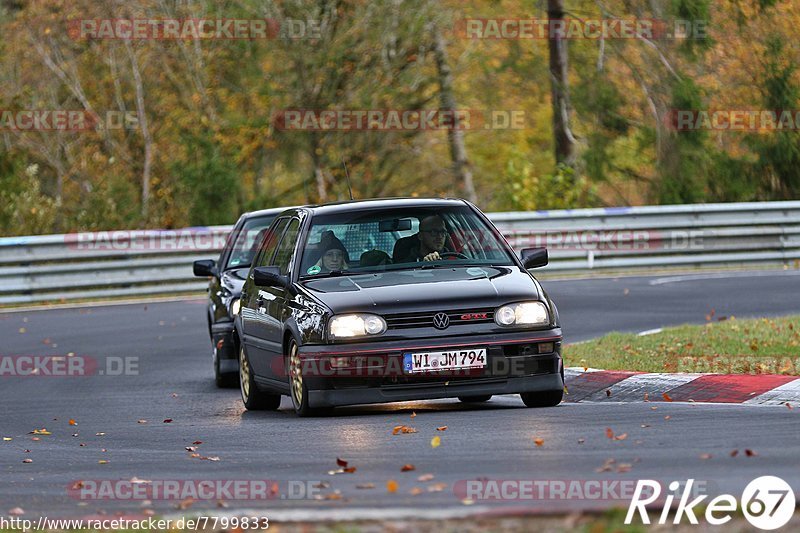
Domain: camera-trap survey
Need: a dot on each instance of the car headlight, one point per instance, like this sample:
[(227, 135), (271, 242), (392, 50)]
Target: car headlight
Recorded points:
[(522, 314), (360, 325), (236, 306)]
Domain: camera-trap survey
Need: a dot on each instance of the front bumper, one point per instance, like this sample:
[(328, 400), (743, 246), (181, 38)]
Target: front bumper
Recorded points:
[(375, 375)]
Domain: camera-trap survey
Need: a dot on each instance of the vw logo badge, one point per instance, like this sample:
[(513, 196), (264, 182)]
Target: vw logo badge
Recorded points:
[(441, 321)]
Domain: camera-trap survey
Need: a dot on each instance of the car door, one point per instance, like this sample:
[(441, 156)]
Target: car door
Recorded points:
[(216, 307), (277, 311), (255, 309)]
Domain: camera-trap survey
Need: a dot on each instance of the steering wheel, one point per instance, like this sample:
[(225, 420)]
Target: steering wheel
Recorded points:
[(457, 255)]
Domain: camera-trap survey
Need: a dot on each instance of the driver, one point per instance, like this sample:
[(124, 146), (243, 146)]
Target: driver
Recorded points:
[(432, 236)]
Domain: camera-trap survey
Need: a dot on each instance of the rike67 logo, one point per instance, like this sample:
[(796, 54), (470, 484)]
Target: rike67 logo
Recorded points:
[(767, 503)]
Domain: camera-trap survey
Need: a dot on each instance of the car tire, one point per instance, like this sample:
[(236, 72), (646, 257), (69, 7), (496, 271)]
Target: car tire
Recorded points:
[(475, 399), (253, 398), (228, 380), (548, 398), (297, 386)]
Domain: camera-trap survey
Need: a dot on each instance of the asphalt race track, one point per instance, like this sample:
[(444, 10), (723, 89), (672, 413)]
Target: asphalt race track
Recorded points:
[(120, 418)]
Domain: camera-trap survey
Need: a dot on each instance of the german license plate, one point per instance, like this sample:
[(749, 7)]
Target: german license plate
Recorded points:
[(414, 362)]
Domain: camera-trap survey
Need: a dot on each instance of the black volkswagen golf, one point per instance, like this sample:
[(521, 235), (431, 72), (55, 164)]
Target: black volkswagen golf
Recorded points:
[(394, 300)]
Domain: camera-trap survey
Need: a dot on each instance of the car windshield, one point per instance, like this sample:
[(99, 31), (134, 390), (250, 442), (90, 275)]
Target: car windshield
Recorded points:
[(247, 240), (400, 238)]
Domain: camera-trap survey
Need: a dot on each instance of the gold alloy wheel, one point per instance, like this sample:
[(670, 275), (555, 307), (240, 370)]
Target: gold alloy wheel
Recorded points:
[(297, 376), (244, 375)]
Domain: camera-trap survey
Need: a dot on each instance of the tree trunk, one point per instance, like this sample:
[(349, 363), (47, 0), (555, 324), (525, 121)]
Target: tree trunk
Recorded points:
[(455, 135), (146, 136), (559, 83)]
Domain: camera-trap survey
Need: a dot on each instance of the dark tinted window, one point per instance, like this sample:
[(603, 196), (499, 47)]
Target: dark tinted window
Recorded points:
[(284, 256), (271, 242), (247, 242)]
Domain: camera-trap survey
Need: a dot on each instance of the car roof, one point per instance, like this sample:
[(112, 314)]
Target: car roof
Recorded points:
[(377, 203), (264, 212)]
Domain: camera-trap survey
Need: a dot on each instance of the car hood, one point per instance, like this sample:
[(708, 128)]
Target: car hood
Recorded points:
[(406, 291)]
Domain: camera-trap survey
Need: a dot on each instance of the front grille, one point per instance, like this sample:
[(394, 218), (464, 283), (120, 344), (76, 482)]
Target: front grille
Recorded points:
[(459, 317)]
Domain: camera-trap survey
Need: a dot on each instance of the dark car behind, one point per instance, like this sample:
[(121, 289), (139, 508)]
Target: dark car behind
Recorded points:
[(226, 278)]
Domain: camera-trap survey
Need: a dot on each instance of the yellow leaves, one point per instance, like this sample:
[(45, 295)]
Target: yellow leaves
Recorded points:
[(9, 439), (436, 442), (42, 431), (391, 486), (102, 462)]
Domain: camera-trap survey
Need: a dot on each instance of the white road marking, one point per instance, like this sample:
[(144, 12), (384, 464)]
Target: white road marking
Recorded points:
[(650, 332), (724, 275)]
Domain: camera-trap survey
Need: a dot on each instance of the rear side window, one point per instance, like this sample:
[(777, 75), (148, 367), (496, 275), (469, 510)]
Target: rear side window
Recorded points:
[(283, 258), (271, 242)]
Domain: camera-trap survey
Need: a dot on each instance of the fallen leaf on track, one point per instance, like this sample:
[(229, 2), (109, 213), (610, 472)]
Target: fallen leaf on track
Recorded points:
[(141, 421), (609, 433), (734, 453), (437, 487), (436, 442), (341, 462), (365, 486), (705, 456), (391, 485), (102, 462), (667, 397), (750, 453), (16, 511), (538, 441), (407, 468), (403, 429), (425, 477), (168, 421), (27, 461), (413, 414), (441, 428), (72, 422), (42, 431), (416, 491), (623, 436)]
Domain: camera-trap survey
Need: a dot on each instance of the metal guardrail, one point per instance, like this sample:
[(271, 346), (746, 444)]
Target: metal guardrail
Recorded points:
[(127, 263)]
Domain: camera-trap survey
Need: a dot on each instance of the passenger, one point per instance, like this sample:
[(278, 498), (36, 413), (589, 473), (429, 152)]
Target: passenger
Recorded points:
[(333, 254)]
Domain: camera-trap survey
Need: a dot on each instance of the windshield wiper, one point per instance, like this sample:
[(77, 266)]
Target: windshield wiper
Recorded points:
[(332, 274)]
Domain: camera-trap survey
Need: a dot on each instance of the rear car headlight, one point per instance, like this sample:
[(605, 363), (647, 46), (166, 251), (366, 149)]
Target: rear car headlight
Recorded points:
[(359, 325), (522, 314), (236, 306)]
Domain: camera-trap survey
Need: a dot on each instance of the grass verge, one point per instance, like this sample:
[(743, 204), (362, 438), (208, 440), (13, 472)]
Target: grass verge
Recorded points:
[(724, 345)]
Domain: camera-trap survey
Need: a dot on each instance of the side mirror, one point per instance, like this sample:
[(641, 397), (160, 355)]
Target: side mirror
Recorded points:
[(205, 269), (534, 257), (269, 277)]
